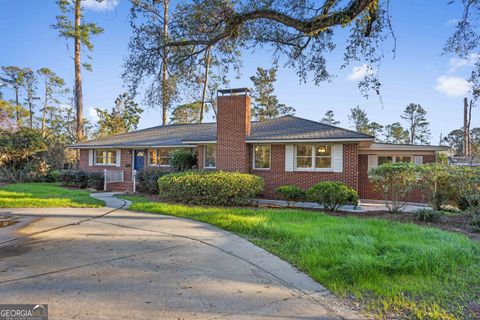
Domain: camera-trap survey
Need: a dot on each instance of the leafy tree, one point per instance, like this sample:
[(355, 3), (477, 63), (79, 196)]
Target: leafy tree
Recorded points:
[(359, 119), (186, 113), (300, 32), (455, 141), (12, 77), (329, 118), (71, 24), (30, 87), (375, 129), (266, 105), (395, 133), (418, 126), (123, 118), (53, 85)]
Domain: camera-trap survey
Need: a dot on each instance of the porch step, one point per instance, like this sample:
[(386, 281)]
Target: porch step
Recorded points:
[(120, 186)]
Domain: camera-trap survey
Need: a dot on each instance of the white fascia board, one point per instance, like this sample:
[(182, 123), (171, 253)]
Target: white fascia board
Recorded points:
[(131, 147), (200, 142), (309, 140), (401, 147)]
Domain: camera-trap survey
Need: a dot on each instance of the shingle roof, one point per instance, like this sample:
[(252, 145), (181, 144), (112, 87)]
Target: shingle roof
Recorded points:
[(282, 128)]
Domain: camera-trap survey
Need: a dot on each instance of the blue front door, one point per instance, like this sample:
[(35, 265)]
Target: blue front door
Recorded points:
[(139, 158)]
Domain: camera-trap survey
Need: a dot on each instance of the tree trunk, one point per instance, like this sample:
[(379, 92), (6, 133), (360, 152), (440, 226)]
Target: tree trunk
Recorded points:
[(165, 93), (466, 129), (17, 109), (205, 83), (44, 111), (78, 75)]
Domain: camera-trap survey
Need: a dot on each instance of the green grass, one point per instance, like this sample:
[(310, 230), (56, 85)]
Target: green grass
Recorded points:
[(390, 267), (45, 195)]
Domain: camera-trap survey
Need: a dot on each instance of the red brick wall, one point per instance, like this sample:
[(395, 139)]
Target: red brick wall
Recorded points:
[(233, 125), (200, 155), (125, 164), (277, 176), (366, 189)]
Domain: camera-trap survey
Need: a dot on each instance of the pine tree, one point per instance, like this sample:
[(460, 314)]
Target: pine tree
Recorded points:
[(329, 118)]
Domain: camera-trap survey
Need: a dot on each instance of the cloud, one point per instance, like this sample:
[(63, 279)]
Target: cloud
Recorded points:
[(467, 62), (360, 72), (452, 22), (104, 5), (93, 114), (452, 86)]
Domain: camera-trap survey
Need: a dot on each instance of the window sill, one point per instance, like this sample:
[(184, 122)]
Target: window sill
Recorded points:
[(261, 169), (104, 165), (313, 170)]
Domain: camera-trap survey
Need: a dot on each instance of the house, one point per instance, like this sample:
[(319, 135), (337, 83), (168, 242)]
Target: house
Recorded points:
[(285, 150)]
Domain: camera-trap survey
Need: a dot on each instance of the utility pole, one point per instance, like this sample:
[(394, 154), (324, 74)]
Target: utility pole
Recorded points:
[(467, 117)]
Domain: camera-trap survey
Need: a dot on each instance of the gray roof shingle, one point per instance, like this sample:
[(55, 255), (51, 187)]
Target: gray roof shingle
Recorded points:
[(282, 128)]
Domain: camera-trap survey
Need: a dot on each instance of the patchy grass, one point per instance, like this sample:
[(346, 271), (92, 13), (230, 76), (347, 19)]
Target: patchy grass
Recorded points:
[(45, 195), (392, 268)]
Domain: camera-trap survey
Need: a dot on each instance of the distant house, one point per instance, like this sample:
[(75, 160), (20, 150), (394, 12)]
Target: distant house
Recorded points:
[(285, 150)]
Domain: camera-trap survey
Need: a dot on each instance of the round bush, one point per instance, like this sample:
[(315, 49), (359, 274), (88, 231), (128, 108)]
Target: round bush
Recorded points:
[(182, 160), (427, 215), (332, 194), (95, 180), (147, 179), (291, 193), (210, 188)]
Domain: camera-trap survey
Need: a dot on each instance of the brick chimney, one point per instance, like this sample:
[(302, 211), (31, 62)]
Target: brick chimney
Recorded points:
[(233, 126)]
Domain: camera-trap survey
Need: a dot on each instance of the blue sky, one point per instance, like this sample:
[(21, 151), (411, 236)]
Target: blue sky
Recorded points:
[(419, 73)]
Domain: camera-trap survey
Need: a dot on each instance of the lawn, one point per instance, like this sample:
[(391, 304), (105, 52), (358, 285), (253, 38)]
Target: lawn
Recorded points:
[(391, 268), (45, 195)]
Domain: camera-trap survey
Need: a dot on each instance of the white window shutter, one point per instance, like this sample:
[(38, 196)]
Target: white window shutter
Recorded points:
[(338, 158), (289, 154), (418, 160), (119, 157), (372, 161), (90, 157)]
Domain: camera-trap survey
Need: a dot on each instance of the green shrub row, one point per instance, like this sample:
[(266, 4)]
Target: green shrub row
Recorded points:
[(330, 194), (77, 178), (210, 188)]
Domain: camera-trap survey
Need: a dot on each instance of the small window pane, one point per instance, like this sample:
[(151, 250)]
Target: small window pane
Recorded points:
[(163, 156), (323, 162), (262, 157), (112, 157), (100, 157), (304, 162), (384, 159), (210, 156), (403, 159), (153, 157), (323, 150), (304, 150)]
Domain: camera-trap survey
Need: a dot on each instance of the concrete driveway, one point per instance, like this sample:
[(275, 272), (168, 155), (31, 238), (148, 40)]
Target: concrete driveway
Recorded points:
[(109, 263)]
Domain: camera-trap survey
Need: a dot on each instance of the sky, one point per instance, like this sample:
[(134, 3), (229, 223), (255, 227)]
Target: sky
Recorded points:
[(418, 73)]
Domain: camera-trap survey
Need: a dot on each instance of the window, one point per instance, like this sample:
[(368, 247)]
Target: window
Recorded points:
[(106, 157), (261, 157), (210, 156), (313, 157), (393, 159), (160, 157)]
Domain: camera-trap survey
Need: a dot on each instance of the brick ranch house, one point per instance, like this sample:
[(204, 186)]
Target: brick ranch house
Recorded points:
[(285, 150)]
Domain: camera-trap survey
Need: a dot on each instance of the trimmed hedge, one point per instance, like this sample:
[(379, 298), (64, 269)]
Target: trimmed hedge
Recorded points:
[(291, 193), (147, 179), (210, 188), (332, 195), (80, 179)]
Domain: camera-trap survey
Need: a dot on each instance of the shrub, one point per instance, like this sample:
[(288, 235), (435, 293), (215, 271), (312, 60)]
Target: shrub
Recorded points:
[(466, 181), (96, 180), (332, 195), (210, 188), (474, 225), (394, 181), (435, 183), (182, 160), (147, 179), (291, 193), (427, 215), (54, 176)]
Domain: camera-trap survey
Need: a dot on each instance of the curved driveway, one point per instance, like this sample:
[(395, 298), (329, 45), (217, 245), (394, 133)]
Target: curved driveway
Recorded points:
[(109, 263)]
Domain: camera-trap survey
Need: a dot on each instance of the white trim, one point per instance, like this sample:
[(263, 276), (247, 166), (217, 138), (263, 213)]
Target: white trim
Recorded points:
[(337, 157), (312, 168), (90, 157), (269, 161), (132, 147), (309, 140), (289, 155), (401, 147), (196, 142)]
